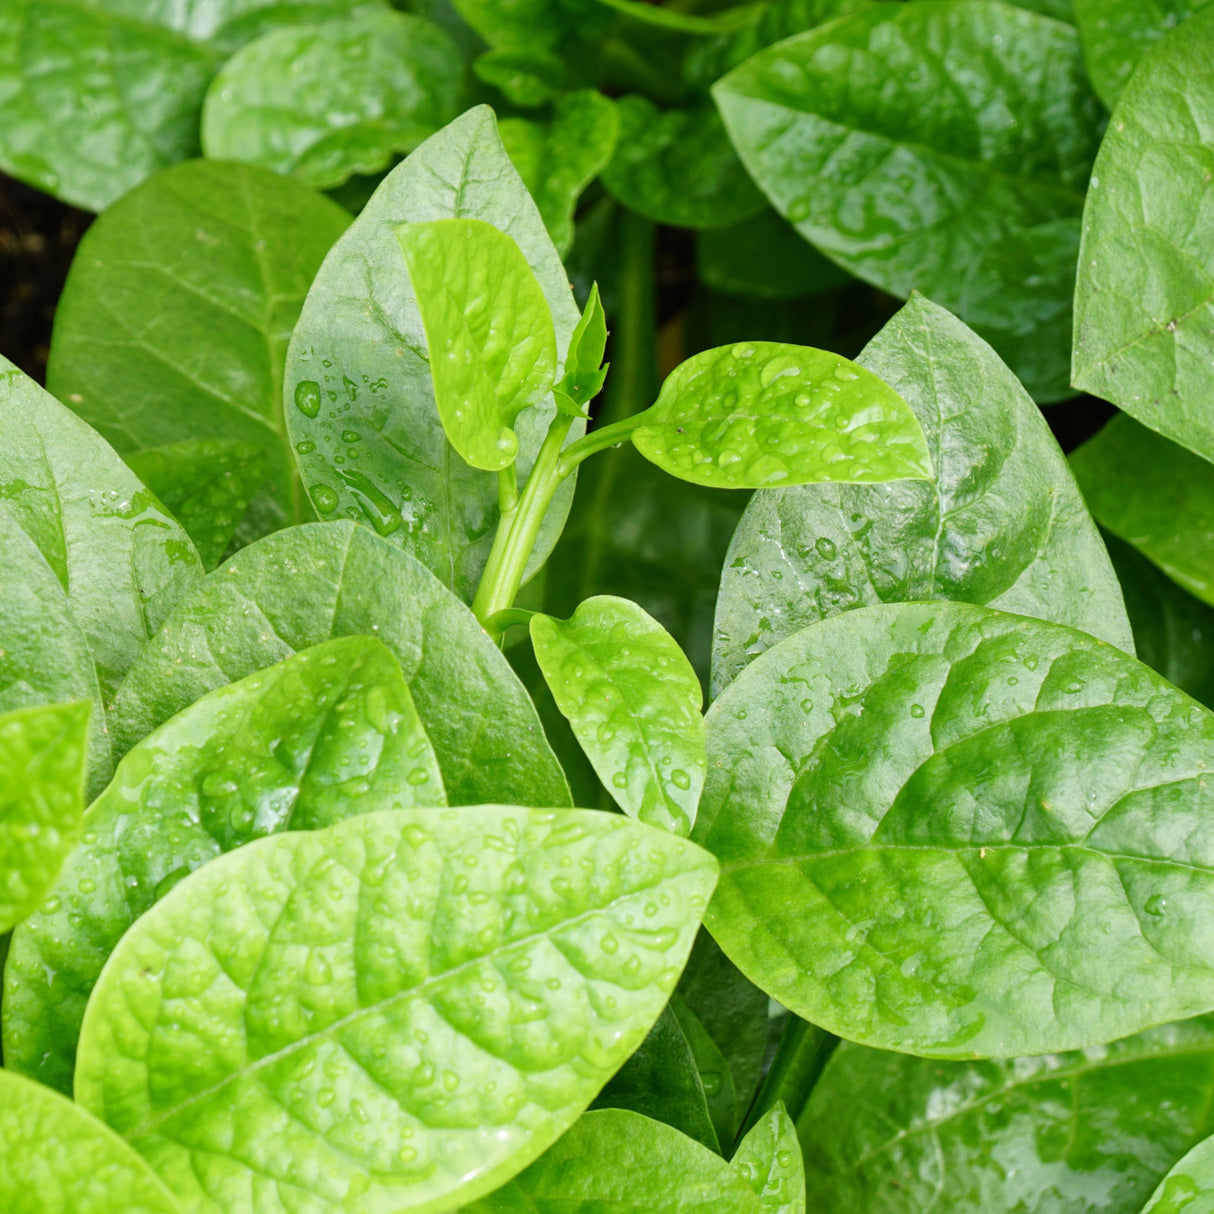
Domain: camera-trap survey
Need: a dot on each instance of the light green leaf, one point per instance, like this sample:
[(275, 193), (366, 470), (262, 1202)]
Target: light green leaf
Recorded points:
[(57, 1158), (559, 158), (584, 369), (185, 294), (1117, 33), (618, 1160), (1090, 1132), (358, 382), (98, 96), (322, 736), (764, 413), (302, 586), (954, 832), (464, 981), (43, 753), (207, 483), (1144, 302), (942, 146), (677, 167), (492, 347), (323, 102), (634, 703), (1156, 496), (526, 76), (1189, 1186), (769, 1158), (1001, 523)]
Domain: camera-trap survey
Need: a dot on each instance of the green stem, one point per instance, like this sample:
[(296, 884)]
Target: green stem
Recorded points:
[(801, 1056), (598, 439)]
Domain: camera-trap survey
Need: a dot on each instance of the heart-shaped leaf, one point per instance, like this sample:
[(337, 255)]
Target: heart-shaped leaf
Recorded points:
[(769, 1157)]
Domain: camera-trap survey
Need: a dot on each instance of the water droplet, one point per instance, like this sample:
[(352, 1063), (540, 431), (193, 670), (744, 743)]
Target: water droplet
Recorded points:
[(306, 447), (324, 498), (609, 944), (917, 710), (307, 397), (712, 1083), (1156, 905), (620, 780), (826, 548), (350, 436), (419, 775), (680, 779)]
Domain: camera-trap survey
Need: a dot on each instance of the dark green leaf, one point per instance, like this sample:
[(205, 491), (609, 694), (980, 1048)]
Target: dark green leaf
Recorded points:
[(176, 315), (1144, 302), (942, 146), (527, 76), (322, 736), (533, 24), (955, 832), (368, 436), (1001, 524), (769, 1157), (323, 102), (716, 1078), (463, 981), (305, 585)]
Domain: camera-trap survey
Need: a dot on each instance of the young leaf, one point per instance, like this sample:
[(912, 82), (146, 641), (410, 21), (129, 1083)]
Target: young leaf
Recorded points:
[(322, 736), (769, 1158), (1144, 301), (58, 1158), (207, 483), (677, 167), (954, 832), (634, 703), (492, 346), (617, 1160), (935, 146), (757, 414), (1188, 1186), (1001, 523), (358, 385), (463, 981), (43, 753), (323, 102), (1090, 1133), (585, 373), (526, 76), (185, 293), (302, 586), (559, 158), (1156, 496)]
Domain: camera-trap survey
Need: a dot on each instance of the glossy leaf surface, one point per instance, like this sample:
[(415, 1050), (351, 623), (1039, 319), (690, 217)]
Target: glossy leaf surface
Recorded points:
[(323, 102), (1089, 1132), (489, 334), (634, 702), (1156, 496), (1188, 1186), (527, 76), (361, 406), (322, 736), (942, 146), (769, 1158), (1144, 302), (305, 585), (613, 1159), (954, 832), (57, 1158), (43, 763), (441, 971), (1000, 524), (757, 414), (174, 322)]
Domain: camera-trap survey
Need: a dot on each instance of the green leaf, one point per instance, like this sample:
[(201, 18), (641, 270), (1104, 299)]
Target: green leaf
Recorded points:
[(464, 981), (43, 753), (58, 1158), (559, 158), (1117, 33), (302, 586), (585, 373), (322, 736), (764, 413), (1001, 524), (358, 383), (185, 294), (323, 102), (531, 24), (97, 97), (942, 146), (526, 76), (769, 1158), (1144, 301), (955, 832), (613, 1159), (1089, 1133), (1154, 495), (716, 1077), (662, 1081), (634, 703), (677, 167), (492, 347), (1188, 1186), (207, 483)]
